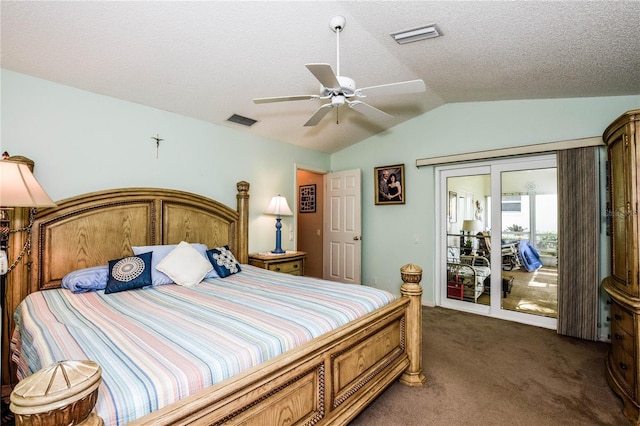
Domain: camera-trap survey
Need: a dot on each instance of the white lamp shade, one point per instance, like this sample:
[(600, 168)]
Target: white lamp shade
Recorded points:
[(278, 206), (19, 188), (472, 225)]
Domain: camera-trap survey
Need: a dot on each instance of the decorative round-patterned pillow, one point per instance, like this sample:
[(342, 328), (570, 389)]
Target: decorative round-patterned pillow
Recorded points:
[(129, 272), (128, 269)]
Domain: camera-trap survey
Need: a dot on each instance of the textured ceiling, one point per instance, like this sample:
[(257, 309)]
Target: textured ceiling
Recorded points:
[(209, 59)]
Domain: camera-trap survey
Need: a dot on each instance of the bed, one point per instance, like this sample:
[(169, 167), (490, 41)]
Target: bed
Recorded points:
[(326, 378)]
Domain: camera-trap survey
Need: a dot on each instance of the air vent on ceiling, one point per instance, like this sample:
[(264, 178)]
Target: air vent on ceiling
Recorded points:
[(417, 34), (239, 119)]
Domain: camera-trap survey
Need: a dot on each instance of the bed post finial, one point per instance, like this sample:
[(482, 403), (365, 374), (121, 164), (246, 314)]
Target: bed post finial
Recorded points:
[(243, 222), (243, 187), (411, 276)]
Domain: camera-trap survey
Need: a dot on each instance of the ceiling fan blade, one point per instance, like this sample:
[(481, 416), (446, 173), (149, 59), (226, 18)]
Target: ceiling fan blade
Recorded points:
[(285, 98), (369, 111), (325, 75), (413, 86), (318, 115)]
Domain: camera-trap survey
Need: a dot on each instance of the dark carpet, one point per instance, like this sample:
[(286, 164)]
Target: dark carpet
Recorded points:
[(487, 371)]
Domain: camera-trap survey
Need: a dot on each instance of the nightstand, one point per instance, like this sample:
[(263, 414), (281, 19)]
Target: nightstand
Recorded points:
[(291, 262)]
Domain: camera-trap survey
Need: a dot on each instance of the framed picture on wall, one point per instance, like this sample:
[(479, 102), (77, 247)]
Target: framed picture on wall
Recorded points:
[(307, 198), (389, 184)]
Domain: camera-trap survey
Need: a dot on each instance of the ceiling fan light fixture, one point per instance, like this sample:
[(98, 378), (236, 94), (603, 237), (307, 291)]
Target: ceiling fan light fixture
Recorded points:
[(416, 34), (338, 100)]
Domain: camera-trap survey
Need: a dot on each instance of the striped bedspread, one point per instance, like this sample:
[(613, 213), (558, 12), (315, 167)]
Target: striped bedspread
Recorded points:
[(160, 344)]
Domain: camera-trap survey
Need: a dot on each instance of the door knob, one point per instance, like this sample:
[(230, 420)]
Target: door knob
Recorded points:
[(357, 238)]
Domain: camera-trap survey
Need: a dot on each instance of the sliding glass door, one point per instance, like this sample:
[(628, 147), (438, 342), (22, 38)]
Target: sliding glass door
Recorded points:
[(498, 237)]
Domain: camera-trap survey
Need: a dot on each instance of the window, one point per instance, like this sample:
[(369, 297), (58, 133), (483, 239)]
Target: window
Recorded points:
[(512, 203)]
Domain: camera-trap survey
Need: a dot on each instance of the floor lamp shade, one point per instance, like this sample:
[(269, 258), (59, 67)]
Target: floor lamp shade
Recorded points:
[(19, 188), (278, 207)]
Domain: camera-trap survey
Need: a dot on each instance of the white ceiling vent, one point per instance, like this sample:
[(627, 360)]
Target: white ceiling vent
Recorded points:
[(417, 34)]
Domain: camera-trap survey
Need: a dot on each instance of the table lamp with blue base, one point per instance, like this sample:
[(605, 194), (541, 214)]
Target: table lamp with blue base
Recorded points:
[(278, 207)]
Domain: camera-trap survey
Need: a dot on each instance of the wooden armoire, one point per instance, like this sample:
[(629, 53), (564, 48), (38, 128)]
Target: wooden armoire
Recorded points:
[(623, 285)]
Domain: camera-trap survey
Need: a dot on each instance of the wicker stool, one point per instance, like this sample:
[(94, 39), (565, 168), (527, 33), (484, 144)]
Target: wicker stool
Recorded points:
[(62, 394)]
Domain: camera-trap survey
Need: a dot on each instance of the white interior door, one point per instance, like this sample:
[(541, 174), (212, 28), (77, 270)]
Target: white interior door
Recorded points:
[(342, 227)]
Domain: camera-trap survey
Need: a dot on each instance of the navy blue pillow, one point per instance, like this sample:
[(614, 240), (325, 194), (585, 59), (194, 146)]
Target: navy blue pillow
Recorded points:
[(129, 273), (223, 261)]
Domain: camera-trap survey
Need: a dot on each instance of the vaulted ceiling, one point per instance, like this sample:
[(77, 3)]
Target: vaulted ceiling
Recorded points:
[(209, 59)]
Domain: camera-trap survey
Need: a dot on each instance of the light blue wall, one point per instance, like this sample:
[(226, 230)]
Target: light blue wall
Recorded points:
[(83, 142), (389, 231)]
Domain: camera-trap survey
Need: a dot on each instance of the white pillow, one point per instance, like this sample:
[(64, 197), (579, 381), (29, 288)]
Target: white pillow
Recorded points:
[(159, 252), (185, 265)]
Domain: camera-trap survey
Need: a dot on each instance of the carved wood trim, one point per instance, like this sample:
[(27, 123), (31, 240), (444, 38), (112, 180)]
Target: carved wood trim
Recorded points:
[(42, 225), (342, 395), (319, 414)]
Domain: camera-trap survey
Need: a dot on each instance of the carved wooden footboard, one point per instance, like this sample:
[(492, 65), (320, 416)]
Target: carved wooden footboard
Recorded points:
[(329, 380)]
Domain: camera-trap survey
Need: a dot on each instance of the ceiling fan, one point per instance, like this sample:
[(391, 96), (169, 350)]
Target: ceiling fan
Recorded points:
[(341, 90)]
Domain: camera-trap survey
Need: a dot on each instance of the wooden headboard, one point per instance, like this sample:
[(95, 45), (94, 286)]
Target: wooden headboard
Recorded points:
[(91, 229)]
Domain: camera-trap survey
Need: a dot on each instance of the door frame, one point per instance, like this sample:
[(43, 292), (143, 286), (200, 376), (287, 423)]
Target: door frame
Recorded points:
[(494, 168), (296, 201)]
